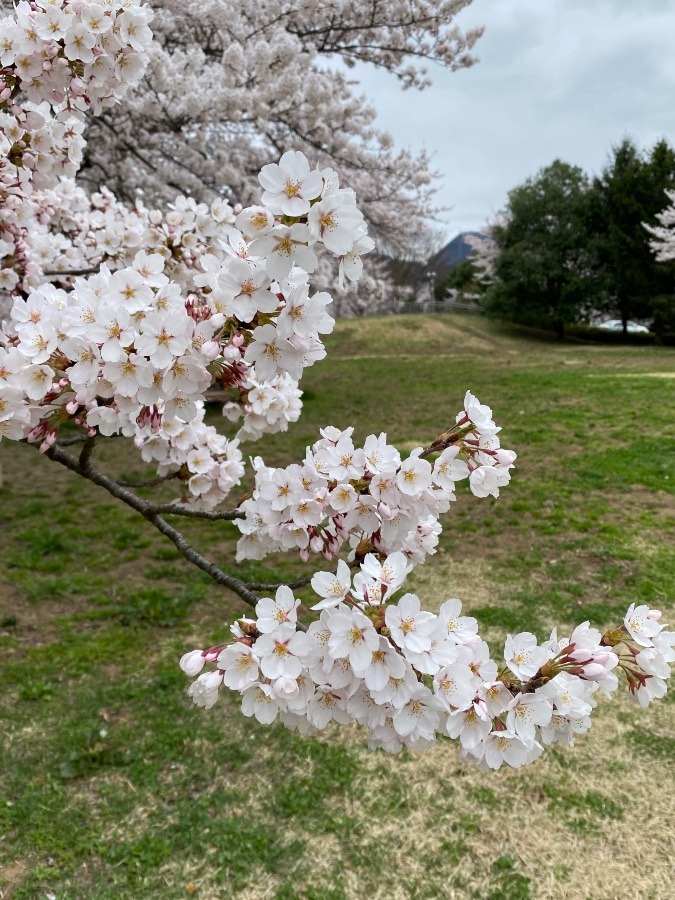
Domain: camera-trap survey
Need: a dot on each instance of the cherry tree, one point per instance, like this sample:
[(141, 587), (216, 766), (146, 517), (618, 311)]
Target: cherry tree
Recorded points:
[(663, 243), (231, 85), (196, 295), (485, 251)]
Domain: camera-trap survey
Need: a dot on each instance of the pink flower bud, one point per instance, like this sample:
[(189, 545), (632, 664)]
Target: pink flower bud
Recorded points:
[(210, 349), (504, 457), (192, 662), (232, 354), (580, 656), (593, 672)]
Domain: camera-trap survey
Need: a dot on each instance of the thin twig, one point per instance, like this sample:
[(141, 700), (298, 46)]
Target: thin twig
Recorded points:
[(451, 436), (174, 509), (293, 585), (71, 273), (148, 482), (86, 453)]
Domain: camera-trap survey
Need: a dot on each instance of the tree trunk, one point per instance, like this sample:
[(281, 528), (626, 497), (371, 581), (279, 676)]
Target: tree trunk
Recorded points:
[(624, 317)]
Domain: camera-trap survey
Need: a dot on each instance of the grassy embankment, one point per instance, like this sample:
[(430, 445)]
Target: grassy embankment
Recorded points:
[(114, 786)]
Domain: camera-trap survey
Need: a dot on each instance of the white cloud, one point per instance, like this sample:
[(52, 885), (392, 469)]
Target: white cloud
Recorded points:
[(557, 78)]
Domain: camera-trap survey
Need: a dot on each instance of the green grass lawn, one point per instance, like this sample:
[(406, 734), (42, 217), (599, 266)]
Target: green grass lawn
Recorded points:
[(112, 785)]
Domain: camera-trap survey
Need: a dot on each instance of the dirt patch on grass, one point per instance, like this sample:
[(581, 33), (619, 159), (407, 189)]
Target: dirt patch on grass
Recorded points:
[(592, 821), (634, 375), (11, 877)]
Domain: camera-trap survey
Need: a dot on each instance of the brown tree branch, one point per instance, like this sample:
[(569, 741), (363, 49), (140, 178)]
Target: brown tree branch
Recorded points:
[(82, 465)]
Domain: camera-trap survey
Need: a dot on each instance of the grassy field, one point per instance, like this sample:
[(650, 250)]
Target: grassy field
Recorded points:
[(112, 785)]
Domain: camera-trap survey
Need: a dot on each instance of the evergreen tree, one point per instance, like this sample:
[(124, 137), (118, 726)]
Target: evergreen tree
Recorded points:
[(627, 195), (544, 272)]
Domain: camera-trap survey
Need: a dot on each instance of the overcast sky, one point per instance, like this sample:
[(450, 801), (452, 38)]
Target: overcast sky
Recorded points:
[(556, 78)]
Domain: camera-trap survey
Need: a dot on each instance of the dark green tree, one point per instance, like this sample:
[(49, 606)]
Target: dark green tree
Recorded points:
[(628, 194), (545, 271), (461, 277)]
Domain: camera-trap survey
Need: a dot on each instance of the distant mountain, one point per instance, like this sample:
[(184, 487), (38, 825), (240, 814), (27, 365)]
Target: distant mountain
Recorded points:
[(453, 253)]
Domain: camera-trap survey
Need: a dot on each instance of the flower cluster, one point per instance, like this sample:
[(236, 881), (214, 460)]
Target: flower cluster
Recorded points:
[(118, 351), (208, 464), (57, 59), (75, 49), (369, 495), (127, 352), (75, 232), (267, 407), (645, 651), (408, 675)]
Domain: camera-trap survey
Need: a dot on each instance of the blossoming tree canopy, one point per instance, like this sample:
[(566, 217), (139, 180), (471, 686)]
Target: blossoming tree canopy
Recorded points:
[(229, 83), (220, 295), (663, 234)]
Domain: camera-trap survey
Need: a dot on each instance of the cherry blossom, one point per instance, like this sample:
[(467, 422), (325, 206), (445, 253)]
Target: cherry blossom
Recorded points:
[(174, 301), (360, 662)]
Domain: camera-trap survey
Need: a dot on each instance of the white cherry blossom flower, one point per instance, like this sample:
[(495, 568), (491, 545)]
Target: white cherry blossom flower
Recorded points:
[(470, 725), (454, 686), (390, 573), (507, 747), (280, 650), (386, 663), (204, 690), (332, 587), (239, 666), (414, 476), (523, 655), (379, 456), (324, 707), (420, 715), (336, 222), (448, 468), (642, 624), (410, 626), (525, 712), (478, 414), (461, 629), (290, 185), (273, 613), (259, 701), (352, 635)]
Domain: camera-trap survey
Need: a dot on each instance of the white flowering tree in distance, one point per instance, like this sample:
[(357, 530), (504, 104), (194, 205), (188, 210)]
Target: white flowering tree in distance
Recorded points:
[(663, 234), (220, 295)]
